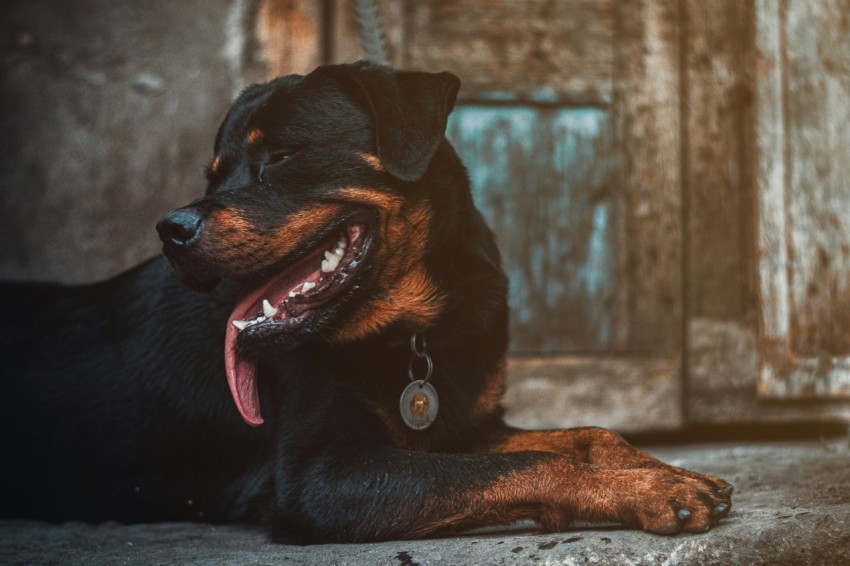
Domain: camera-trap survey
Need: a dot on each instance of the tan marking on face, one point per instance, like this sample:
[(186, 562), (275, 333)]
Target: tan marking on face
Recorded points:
[(216, 163), (388, 204), (372, 161), (414, 299), (255, 135), (228, 219), (240, 246)]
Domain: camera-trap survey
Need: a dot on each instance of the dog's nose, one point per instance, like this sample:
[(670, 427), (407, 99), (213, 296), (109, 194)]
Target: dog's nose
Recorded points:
[(179, 227)]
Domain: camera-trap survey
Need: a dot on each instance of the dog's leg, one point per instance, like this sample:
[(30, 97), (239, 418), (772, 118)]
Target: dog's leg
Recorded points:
[(591, 445), (391, 493)]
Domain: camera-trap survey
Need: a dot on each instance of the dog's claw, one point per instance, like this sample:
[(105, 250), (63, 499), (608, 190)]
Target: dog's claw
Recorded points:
[(720, 509), (683, 515), (726, 491)]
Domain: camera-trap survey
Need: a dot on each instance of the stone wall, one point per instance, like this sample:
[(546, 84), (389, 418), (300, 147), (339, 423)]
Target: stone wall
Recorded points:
[(108, 112)]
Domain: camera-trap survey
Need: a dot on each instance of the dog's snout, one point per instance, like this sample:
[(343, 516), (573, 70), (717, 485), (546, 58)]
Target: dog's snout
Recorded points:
[(180, 227)]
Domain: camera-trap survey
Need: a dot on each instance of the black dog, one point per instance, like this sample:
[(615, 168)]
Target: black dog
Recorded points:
[(344, 264)]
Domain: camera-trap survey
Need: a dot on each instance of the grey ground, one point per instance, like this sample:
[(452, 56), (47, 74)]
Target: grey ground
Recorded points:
[(791, 506)]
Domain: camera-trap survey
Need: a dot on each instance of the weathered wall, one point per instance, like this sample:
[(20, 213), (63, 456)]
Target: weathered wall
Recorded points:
[(108, 110)]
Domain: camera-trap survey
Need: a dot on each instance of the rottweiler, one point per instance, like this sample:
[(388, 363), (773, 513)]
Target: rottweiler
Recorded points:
[(337, 290)]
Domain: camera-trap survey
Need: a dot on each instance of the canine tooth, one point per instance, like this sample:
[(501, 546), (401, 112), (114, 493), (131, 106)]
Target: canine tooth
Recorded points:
[(307, 286), (268, 309), (240, 324), (329, 264)]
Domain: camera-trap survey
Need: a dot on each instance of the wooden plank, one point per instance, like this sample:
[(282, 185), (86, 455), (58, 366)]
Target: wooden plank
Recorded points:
[(718, 197), (818, 90), (718, 171), (558, 50), (289, 35), (804, 242), (771, 178), (647, 106), (723, 375), (804, 239), (624, 394), (544, 179)]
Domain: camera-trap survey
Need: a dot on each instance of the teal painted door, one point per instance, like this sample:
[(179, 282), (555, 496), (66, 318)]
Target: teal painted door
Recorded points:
[(544, 179)]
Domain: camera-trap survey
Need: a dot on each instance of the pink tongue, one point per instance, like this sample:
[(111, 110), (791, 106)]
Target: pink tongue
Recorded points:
[(241, 376), (241, 373)]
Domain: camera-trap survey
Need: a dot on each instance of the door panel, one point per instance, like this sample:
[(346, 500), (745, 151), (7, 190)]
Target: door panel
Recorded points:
[(543, 178)]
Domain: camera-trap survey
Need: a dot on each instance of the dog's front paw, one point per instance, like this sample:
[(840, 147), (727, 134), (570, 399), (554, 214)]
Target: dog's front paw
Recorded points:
[(665, 502)]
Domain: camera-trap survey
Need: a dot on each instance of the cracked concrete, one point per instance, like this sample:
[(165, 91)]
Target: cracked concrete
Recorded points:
[(791, 506)]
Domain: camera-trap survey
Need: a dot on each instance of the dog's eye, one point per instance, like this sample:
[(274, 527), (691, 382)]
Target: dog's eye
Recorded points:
[(280, 156)]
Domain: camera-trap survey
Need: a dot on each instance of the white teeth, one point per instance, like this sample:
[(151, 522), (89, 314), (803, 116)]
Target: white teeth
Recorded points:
[(243, 324), (332, 258), (330, 262), (268, 309)]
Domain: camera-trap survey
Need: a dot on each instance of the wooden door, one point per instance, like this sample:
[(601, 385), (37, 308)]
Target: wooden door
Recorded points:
[(569, 123)]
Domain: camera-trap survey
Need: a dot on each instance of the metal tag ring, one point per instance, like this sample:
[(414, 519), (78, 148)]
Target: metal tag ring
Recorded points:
[(428, 372), (414, 347)]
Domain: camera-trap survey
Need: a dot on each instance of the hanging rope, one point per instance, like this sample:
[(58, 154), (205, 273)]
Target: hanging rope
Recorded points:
[(372, 38)]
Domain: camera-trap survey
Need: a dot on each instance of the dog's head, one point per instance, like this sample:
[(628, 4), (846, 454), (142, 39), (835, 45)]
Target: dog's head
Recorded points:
[(322, 199)]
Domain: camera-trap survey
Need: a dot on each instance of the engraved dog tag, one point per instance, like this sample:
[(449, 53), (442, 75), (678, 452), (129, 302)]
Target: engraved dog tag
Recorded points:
[(419, 404)]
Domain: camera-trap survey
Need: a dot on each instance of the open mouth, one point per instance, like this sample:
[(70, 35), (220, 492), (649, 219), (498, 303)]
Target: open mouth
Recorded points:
[(285, 303)]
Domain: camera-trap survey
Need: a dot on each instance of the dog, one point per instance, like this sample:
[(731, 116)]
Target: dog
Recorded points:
[(329, 358)]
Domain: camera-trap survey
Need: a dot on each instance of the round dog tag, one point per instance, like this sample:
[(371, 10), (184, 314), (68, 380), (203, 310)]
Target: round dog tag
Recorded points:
[(419, 404)]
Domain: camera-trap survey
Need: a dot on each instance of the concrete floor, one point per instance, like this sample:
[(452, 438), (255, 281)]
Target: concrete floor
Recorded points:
[(791, 506)]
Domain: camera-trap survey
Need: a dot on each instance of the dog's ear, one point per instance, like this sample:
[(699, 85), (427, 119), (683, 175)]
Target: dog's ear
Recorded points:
[(409, 110)]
